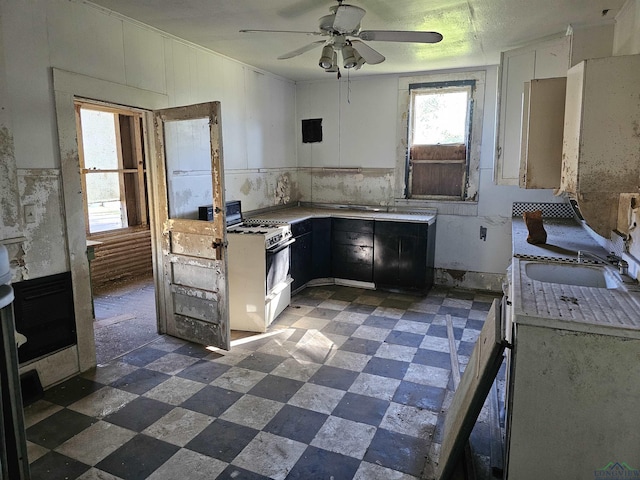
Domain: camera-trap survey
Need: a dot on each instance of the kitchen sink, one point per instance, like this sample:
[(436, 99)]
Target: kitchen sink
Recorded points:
[(572, 274)]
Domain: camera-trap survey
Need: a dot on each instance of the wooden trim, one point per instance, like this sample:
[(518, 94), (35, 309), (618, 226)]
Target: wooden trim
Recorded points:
[(83, 180), (142, 192)]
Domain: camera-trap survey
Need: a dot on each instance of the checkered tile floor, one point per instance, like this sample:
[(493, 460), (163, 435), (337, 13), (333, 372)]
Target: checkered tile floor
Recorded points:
[(347, 384)]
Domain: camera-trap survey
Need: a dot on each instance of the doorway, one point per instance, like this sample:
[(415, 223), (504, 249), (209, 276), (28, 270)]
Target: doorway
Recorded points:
[(115, 200)]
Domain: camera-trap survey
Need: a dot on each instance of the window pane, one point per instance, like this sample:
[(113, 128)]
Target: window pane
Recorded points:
[(439, 118), (106, 211), (99, 139)]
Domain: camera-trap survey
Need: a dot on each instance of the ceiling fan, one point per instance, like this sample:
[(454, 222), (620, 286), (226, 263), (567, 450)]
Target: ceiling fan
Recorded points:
[(341, 23)]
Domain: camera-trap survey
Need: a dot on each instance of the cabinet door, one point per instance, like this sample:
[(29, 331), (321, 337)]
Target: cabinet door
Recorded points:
[(301, 263), (352, 249), (542, 127), (541, 60), (401, 255), (321, 248)]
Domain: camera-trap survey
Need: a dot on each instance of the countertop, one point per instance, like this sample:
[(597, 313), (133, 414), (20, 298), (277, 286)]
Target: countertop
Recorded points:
[(567, 307), (295, 214)]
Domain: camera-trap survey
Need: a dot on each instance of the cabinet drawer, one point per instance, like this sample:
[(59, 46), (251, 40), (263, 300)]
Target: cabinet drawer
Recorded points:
[(300, 228), (407, 229), (352, 225), (352, 238), (352, 254)]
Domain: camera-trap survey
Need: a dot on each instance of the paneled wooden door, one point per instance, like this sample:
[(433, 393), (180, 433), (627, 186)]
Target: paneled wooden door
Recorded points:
[(191, 276)]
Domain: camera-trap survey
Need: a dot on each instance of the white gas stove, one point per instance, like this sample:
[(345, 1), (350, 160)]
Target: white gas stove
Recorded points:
[(274, 234)]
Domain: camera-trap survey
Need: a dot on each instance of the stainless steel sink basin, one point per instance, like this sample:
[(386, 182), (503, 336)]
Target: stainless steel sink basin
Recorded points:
[(572, 274)]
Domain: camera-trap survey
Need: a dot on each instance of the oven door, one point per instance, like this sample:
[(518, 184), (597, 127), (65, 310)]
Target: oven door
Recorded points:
[(278, 262)]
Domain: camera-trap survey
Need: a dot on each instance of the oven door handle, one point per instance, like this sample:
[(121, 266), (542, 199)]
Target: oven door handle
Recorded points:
[(280, 246)]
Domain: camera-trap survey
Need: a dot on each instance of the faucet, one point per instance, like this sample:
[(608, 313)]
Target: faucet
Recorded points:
[(612, 259)]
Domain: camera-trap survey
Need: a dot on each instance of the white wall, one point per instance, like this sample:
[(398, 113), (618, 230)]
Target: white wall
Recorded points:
[(359, 130), (116, 60)]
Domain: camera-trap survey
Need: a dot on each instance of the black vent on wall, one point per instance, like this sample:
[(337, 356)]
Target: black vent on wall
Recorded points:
[(43, 311), (312, 130)]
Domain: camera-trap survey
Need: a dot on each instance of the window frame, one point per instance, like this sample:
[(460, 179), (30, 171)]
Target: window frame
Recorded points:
[(475, 78), (141, 195)]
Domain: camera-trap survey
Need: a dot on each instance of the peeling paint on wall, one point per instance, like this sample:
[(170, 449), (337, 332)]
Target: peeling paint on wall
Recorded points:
[(10, 221), (45, 251), (372, 186), (262, 189)]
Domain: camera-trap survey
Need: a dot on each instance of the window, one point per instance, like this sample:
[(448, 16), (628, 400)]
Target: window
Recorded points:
[(441, 135), (112, 167)]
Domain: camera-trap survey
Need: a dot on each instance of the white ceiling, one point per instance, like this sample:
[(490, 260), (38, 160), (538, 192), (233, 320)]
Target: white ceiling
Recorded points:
[(475, 31)]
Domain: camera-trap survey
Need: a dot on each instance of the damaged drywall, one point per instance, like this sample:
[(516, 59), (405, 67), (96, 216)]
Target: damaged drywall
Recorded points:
[(45, 249), (348, 186), (261, 189), (10, 221)]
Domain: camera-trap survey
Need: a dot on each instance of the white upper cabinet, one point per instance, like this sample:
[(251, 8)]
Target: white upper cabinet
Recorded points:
[(601, 144), (542, 125), (545, 59)]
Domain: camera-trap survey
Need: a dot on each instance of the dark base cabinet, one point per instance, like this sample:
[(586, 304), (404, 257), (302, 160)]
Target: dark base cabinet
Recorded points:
[(321, 248), (352, 249), (404, 255), (301, 254)]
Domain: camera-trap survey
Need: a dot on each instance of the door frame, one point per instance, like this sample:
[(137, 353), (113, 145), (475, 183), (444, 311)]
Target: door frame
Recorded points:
[(67, 87)]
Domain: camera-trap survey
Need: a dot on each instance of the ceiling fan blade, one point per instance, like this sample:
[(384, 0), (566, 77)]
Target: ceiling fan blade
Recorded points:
[(300, 50), (370, 55), (347, 18), (281, 31), (400, 36)]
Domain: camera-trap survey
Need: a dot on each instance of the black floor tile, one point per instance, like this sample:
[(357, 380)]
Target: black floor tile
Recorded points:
[(386, 367), (306, 300), (58, 428), (398, 452), (454, 311), (460, 294), (203, 371), (466, 348), (475, 324), (254, 344), (401, 304), (297, 335), (361, 408), (441, 331), (333, 377), (346, 295), (360, 308), (316, 463), (143, 356), (236, 473), (432, 358), (406, 339), (421, 396), (323, 313), (140, 381), (212, 401), (276, 388), (261, 362), (193, 350), (360, 345), (482, 306), (71, 391), (296, 423), (380, 322), (222, 440), (139, 413), (138, 458), (340, 328), (418, 316), (54, 466)]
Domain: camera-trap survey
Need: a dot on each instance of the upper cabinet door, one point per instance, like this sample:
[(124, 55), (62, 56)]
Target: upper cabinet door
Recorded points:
[(541, 60)]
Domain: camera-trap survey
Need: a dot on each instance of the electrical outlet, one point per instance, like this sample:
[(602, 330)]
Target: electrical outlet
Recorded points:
[(30, 214), (483, 233)]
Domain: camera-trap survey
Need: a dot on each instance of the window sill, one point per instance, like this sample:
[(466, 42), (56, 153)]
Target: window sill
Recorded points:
[(443, 207)]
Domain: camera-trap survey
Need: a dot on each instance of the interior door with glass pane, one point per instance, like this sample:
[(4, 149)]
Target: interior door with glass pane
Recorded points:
[(189, 174)]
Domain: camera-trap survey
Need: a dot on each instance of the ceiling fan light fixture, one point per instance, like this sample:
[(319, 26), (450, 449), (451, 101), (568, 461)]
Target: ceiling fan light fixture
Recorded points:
[(348, 57), (359, 60), (326, 59), (334, 66)]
